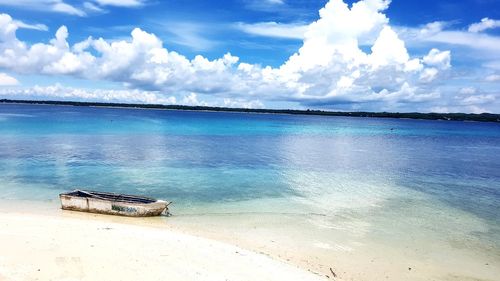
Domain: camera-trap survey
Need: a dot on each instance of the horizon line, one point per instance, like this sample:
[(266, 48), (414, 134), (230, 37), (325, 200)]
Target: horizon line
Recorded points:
[(455, 116)]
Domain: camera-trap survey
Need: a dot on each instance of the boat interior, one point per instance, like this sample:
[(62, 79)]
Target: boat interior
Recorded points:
[(111, 196)]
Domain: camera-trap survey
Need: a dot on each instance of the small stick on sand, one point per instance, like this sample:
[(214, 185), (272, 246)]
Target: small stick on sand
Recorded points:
[(333, 273)]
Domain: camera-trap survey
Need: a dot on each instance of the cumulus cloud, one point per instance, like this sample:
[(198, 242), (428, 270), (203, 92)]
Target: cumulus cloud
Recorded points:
[(329, 70), (438, 59), (484, 24), (59, 92), (242, 103)]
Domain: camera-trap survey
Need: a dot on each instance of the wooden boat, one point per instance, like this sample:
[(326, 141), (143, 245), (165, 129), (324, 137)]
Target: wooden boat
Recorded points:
[(112, 203)]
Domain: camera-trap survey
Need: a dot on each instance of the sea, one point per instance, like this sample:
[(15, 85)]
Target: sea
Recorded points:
[(366, 198)]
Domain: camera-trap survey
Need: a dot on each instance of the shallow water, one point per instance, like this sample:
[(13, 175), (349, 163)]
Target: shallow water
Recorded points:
[(425, 192)]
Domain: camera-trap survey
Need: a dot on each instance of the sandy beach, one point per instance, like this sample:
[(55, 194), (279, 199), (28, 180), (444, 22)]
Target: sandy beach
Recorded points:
[(79, 247), (38, 241)]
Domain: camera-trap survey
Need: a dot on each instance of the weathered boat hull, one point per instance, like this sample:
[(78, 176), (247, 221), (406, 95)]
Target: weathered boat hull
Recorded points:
[(69, 201)]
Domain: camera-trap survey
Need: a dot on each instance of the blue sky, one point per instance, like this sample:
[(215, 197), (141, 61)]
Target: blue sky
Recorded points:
[(375, 55)]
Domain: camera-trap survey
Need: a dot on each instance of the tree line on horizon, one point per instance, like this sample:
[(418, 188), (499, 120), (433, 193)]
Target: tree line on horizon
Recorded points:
[(482, 117)]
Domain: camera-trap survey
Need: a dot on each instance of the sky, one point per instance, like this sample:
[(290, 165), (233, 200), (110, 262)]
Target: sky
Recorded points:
[(368, 55)]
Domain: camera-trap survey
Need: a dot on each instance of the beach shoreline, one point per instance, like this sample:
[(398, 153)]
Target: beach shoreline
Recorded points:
[(62, 245), (42, 231)]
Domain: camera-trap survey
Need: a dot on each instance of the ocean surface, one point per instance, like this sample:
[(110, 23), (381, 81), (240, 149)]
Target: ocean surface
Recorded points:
[(428, 188)]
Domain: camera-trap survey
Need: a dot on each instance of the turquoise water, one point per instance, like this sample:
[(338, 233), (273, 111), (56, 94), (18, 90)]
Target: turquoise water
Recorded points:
[(363, 177)]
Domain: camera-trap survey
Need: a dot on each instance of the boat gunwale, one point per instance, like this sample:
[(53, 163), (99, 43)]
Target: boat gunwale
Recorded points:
[(113, 197)]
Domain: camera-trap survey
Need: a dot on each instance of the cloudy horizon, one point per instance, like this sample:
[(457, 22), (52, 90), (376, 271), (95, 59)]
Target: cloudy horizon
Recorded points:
[(368, 55)]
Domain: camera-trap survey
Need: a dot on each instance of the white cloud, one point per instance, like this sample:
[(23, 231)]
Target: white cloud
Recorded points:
[(476, 56), (192, 99), (330, 69), (62, 7), (472, 98), (429, 75), (468, 91), (190, 34), (241, 103), (120, 3), (273, 29), (437, 32), (438, 59), (433, 28), (58, 6), (471, 40), (388, 49), (7, 80), (492, 78), (484, 24), (37, 26), (92, 7), (59, 92), (279, 2), (265, 5), (477, 99)]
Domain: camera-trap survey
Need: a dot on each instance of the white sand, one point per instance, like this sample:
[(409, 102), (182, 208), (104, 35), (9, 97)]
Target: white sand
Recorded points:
[(43, 247)]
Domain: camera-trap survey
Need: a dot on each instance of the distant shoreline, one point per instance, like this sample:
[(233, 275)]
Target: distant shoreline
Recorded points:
[(483, 117)]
